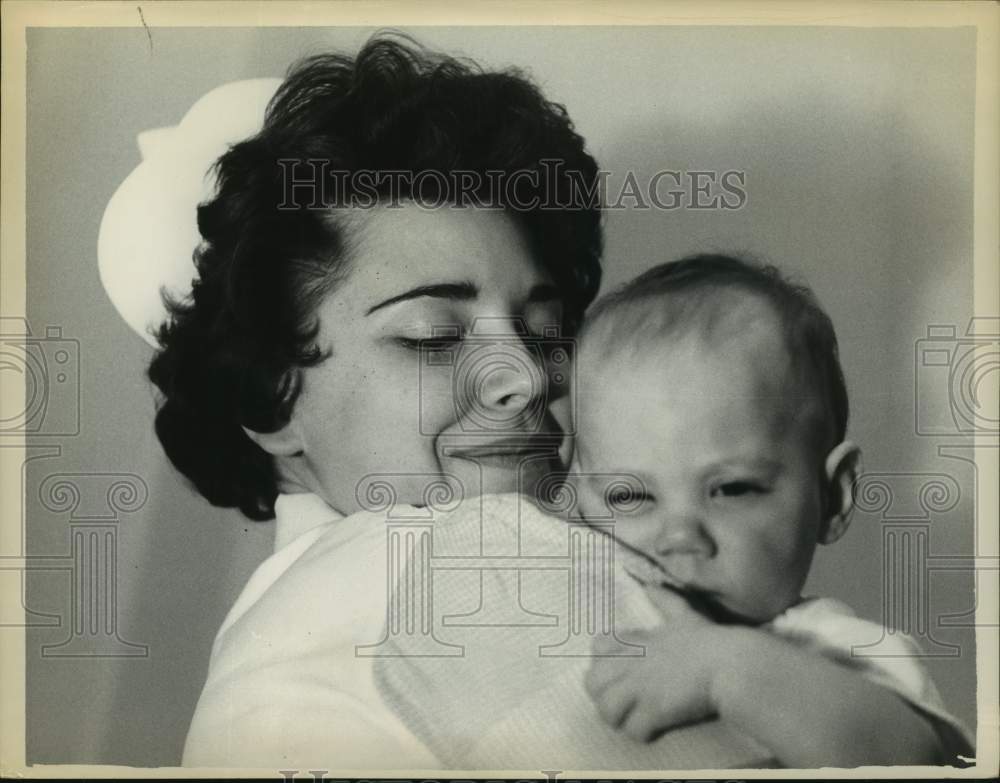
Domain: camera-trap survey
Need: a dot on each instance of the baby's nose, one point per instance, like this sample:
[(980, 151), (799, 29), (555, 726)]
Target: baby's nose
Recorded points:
[(684, 535)]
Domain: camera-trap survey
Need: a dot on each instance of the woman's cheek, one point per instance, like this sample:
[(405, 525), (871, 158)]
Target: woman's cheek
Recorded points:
[(561, 411), (413, 415), (437, 400)]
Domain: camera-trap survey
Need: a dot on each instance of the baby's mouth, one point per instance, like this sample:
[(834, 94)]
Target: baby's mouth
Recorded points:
[(709, 603)]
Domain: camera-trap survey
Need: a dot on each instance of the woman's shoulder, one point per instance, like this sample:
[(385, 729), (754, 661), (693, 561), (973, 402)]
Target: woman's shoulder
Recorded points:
[(507, 523), (340, 563)]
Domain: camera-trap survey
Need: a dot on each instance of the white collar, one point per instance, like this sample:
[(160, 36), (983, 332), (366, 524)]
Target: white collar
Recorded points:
[(298, 513)]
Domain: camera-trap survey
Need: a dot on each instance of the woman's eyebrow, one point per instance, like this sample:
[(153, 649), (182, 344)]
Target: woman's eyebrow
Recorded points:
[(459, 291)]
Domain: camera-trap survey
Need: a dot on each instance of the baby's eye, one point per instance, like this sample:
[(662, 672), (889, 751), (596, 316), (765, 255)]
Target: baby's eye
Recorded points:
[(735, 489)]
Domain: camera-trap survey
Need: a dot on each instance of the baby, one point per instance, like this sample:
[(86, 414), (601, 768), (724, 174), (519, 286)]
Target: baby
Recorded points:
[(716, 386)]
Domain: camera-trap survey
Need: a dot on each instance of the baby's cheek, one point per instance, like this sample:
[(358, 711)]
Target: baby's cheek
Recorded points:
[(773, 568), (788, 577), (585, 503)]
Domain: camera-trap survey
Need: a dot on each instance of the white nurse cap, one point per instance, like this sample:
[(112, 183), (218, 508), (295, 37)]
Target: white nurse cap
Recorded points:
[(149, 231)]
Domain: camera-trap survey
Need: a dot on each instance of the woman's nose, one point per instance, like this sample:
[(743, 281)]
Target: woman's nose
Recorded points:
[(503, 380), (506, 380)]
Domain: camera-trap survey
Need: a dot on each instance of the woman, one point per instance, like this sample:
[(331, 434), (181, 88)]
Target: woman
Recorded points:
[(389, 272), (297, 379)]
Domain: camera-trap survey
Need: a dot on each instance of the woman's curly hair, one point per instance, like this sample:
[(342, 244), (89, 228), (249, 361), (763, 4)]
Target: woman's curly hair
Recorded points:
[(231, 352)]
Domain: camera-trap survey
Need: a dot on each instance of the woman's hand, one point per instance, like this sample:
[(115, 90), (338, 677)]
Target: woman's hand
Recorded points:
[(672, 684)]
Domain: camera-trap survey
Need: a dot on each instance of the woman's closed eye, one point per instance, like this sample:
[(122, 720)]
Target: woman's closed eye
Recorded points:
[(429, 345)]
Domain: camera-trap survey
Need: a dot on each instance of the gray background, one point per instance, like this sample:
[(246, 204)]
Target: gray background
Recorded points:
[(857, 147)]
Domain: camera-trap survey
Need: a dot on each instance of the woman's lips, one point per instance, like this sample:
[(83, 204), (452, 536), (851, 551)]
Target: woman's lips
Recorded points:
[(507, 464), (470, 446), (507, 452), (512, 461)]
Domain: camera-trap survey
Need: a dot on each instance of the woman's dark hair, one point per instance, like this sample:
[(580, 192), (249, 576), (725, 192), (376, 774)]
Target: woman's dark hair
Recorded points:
[(231, 353)]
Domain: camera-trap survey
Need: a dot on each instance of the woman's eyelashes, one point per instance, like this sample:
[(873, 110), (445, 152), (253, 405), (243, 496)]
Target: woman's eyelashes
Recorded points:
[(428, 344), (430, 338), (446, 340)]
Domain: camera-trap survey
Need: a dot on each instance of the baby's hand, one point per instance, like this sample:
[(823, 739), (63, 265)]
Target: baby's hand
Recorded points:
[(671, 685)]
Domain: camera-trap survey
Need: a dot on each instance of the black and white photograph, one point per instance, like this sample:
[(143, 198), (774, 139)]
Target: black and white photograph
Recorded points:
[(548, 391)]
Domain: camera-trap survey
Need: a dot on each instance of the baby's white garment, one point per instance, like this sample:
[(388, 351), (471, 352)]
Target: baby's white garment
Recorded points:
[(313, 667), (518, 598), (831, 629)]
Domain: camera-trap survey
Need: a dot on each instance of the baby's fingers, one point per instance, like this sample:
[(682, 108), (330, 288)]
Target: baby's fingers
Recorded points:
[(643, 723), (603, 672)]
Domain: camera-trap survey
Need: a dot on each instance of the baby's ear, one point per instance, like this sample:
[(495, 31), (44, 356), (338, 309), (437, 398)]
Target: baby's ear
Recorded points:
[(841, 471)]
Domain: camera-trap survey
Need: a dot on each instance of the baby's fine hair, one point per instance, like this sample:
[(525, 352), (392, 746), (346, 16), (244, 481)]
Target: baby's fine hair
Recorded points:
[(703, 292)]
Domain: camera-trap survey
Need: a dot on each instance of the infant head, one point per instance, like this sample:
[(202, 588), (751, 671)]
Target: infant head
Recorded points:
[(714, 385)]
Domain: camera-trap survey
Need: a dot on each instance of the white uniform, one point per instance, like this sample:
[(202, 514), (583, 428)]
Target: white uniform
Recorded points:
[(284, 687), (286, 690)]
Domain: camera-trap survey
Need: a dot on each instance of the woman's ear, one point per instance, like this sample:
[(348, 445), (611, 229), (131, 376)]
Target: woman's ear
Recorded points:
[(281, 443), (841, 471)]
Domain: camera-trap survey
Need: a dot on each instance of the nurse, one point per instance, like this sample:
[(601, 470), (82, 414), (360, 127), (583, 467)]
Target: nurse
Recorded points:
[(388, 275)]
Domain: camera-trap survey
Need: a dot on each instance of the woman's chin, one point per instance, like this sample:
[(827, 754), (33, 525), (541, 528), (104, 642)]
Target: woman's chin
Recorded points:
[(501, 473)]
